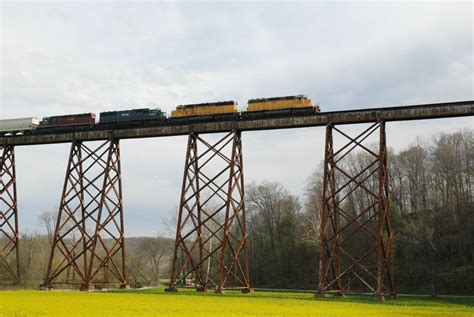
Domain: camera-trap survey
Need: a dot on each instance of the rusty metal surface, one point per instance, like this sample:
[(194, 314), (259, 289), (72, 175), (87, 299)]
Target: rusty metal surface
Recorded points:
[(356, 239), (417, 112), (9, 234), (211, 230), (88, 244)]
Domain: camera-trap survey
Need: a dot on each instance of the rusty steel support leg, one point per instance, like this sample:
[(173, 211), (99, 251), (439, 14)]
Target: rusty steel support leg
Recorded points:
[(384, 231), (89, 234), (355, 233), (324, 216), (211, 230), (9, 235), (330, 215)]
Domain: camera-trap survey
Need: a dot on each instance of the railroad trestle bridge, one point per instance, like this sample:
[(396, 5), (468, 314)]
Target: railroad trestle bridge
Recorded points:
[(88, 246)]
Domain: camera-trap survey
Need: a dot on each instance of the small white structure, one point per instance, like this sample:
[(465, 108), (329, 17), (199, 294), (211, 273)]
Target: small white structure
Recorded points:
[(19, 124)]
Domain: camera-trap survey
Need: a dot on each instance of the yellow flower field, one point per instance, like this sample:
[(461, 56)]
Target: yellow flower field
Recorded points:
[(155, 302)]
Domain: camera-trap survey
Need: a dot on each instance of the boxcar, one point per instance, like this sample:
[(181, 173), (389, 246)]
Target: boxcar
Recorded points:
[(68, 120), (18, 124), (205, 109), (144, 114)]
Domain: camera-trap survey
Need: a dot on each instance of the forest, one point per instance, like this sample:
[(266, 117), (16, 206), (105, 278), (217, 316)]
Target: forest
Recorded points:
[(431, 211)]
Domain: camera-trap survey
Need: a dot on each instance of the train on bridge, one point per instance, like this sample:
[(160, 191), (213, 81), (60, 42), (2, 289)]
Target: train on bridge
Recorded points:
[(191, 113)]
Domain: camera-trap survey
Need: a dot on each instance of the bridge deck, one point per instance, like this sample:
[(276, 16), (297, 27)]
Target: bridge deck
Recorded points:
[(139, 130)]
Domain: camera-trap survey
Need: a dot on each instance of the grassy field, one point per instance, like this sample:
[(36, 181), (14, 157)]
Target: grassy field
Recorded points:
[(155, 302)]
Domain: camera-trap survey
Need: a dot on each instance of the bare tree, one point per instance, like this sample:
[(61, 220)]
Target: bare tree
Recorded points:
[(153, 251), (48, 219)]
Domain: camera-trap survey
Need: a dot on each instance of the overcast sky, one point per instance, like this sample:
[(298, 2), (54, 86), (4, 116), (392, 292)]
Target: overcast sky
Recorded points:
[(59, 58)]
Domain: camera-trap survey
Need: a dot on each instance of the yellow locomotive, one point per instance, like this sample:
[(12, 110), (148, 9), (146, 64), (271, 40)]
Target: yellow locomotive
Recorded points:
[(280, 103), (205, 109)]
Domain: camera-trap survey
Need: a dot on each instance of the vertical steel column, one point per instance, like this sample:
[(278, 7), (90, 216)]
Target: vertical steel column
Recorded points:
[(9, 235), (384, 255), (89, 235), (330, 215), (211, 230), (355, 233)]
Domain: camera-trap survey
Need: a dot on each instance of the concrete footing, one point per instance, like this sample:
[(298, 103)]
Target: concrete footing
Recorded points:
[(171, 290)]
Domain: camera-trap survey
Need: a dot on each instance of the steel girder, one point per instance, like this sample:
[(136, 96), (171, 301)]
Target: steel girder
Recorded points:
[(9, 235), (261, 121), (355, 234), (88, 247), (211, 231)]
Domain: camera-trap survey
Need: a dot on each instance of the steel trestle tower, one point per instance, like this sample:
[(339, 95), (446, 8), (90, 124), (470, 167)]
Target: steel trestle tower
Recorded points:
[(88, 246), (368, 263), (9, 234), (211, 230)]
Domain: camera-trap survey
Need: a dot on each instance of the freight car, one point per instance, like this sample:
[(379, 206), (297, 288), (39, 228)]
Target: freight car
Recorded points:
[(143, 114), (68, 120), (207, 110), (19, 125)]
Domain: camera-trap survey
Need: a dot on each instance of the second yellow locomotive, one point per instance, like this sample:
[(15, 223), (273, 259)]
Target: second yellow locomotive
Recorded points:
[(279, 103)]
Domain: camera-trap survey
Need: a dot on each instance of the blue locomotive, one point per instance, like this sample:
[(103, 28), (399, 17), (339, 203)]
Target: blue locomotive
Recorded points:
[(143, 114)]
